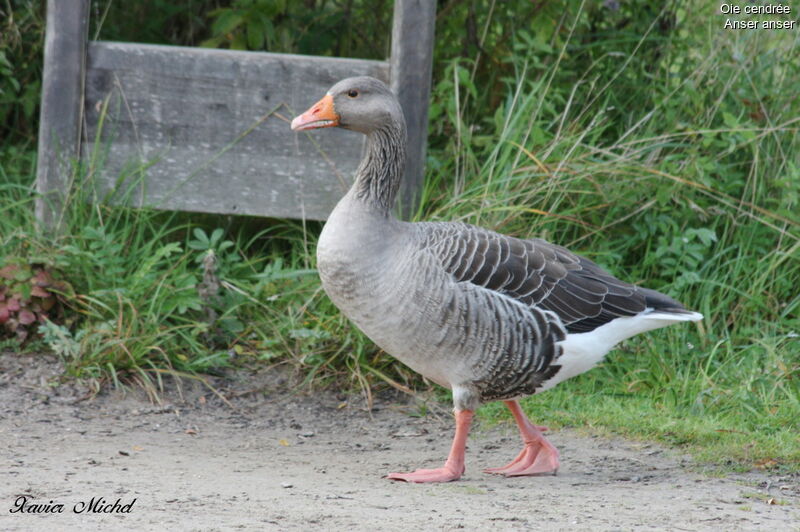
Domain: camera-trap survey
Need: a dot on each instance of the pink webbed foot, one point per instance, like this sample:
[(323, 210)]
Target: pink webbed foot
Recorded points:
[(454, 467), (538, 457), (442, 474)]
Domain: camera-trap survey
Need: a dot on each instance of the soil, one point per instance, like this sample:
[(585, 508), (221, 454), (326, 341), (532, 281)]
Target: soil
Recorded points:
[(277, 459)]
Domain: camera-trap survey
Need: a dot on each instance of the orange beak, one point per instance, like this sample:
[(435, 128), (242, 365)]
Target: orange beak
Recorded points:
[(320, 115)]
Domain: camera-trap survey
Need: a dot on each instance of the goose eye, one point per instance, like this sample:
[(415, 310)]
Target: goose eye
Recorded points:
[(352, 93)]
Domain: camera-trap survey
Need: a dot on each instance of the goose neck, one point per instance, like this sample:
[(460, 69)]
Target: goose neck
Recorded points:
[(379, 174)]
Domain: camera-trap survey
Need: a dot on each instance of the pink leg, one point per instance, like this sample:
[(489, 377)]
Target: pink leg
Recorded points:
[(454, 466), (538, 457)]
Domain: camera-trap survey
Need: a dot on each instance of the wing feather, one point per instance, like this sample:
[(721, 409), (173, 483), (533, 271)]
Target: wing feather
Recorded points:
[(534, 272)]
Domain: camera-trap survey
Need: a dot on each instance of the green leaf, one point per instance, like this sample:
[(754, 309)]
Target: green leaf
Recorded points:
[(255, 35), (213, 42), (30, 98), (216, 235), (201, 237), (706, 235), (269, 31), (239, 42), (226, 22), (730, 120), (499, 117), (463, 79)]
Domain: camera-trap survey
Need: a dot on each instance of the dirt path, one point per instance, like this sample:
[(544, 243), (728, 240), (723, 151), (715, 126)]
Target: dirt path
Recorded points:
[(302, 463)]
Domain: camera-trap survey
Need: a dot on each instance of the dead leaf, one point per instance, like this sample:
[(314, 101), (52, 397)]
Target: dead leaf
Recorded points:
[(9, 271), (766, 463), (42, 278), (284, 442), (26, 317), (38, 291)]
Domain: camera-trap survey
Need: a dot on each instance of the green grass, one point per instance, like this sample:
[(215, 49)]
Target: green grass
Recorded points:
[(691, 193), (669, 157), (708, 422)]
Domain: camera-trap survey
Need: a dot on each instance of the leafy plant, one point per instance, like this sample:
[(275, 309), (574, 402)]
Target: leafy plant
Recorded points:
[(246, 25), (21, 49), (315, 27), (213, 244), (30, 294), (682, 257), (61, 340)]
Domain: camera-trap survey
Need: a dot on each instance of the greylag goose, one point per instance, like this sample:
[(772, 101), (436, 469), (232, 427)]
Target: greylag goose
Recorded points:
[(489, 316)]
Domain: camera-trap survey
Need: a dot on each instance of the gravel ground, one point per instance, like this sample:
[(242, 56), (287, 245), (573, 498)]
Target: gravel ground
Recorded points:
[(276, 460)]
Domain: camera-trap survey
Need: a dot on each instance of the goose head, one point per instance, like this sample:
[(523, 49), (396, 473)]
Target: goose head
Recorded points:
[(366, 105), (362, 104)]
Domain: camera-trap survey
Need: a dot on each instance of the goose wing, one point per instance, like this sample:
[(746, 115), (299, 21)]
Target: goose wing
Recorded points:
[(536, 273)]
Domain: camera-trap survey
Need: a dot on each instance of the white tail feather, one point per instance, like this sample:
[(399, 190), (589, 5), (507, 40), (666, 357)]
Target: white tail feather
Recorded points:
[(582, 351), (671, 316)]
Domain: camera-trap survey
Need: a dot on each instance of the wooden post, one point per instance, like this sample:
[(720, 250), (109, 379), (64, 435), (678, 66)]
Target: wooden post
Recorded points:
[(410, 73), (62, 105)]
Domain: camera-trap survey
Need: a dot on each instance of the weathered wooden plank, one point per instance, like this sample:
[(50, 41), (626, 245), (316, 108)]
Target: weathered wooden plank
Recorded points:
[(410, 70), (61, 107), (189, 129)]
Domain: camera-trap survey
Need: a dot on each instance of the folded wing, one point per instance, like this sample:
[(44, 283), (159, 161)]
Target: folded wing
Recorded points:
[(538, 273)]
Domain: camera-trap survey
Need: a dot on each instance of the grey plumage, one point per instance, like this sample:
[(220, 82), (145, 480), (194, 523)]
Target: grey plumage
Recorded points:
[(485, 314), (490, 316), (535, 273)]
